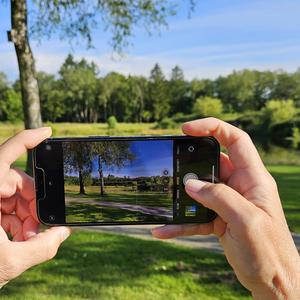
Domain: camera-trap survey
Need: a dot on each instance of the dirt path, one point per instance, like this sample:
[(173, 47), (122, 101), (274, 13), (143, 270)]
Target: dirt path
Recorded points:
[(148, 210)]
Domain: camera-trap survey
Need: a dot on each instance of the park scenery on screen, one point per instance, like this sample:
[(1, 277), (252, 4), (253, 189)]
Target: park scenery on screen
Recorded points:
[(118, 181)]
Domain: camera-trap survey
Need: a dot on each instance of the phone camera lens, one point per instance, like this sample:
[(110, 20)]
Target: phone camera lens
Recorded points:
[(51, 218), (191, 148)]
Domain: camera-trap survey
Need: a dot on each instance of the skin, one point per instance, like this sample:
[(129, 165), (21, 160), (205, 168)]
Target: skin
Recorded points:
[(251, 225), (18, 213)]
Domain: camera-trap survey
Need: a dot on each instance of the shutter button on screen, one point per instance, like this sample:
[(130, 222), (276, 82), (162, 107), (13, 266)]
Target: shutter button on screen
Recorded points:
[(188, 176)]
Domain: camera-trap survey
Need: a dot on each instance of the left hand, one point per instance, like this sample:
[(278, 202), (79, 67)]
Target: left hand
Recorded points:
[(18, 212)]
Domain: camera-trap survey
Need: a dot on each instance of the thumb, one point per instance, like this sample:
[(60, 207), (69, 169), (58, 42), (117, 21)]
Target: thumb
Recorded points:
[(224, 200), (40, 247)]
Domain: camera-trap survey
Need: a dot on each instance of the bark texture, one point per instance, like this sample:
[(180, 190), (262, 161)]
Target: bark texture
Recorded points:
[(28, 79)]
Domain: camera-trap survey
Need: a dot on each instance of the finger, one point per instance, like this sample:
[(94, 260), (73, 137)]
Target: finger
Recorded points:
[(18, 144), (9, 204), (17, 204), (241, 150), (225, 201), (12, 224), (172, 231), (23, 183), (226, 167), (32, 208), (30, 227), (22, 209), (41, 247)]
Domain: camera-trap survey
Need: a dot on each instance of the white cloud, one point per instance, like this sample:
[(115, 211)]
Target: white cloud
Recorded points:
[(201, 62)]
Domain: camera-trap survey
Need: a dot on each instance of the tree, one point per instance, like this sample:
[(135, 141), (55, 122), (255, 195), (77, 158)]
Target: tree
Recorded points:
[(278, 111), (11, 106), (208, 107), (10, 101), (111, 154), (79, 80), (158, 96), (78, 158), (52, 97), (236, 90), (179, 98), (73, 18)]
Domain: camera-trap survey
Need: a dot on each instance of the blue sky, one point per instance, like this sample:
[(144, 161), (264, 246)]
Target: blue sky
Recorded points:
[(220, 36)]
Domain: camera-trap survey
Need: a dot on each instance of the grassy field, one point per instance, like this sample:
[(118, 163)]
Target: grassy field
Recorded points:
[(288, 180), (118, 194), (91, 265), (90, 212)]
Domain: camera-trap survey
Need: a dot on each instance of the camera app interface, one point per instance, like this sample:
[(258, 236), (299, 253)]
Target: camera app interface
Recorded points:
[(118, 181)]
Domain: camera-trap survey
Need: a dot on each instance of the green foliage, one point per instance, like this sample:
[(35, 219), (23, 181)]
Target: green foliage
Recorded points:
[(158, 94), (10, 106), (77, 18), (208, 107), (166, 123), (295, 138), (279, 111), (237, 90), (10, 102), (112, 122)]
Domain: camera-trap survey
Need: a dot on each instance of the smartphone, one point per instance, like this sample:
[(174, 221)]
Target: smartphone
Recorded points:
[(122, 180)]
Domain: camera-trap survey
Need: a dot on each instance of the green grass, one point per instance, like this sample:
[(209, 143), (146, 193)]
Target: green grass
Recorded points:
[(89, 212), (288, 181), (91, 265), (120, 195)]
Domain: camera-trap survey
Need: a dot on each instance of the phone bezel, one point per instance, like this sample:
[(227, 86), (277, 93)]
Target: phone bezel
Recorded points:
[(212, 215)]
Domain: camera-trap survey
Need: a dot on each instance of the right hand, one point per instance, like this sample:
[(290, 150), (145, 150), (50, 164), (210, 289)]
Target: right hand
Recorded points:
[(250, 225)]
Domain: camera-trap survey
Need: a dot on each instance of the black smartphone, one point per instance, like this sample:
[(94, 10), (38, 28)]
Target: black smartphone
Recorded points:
[(122, 180)]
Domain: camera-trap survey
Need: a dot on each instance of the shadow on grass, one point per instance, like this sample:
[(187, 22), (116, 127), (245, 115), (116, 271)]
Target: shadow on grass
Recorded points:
[(78, 212), (93, 266)]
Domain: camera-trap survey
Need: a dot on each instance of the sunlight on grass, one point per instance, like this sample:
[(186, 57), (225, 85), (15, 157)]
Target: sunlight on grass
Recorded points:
[(91, 265)]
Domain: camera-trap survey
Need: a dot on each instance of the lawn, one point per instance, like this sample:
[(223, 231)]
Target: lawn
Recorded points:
[(89, 211), (93, 265), (288, 181)]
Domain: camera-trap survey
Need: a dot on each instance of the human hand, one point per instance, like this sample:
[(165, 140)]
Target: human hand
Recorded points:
[(250, 225), (18, 212)]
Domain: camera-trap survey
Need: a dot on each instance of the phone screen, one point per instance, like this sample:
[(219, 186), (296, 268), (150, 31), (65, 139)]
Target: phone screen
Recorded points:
[(122, 180)]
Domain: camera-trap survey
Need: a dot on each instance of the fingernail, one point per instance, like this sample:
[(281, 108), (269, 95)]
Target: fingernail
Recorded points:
[(194, 185), (65, 233), (45, 130)]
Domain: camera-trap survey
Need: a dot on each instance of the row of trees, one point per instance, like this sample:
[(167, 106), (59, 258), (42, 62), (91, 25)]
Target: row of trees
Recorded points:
[(79, 158), (79, 94)]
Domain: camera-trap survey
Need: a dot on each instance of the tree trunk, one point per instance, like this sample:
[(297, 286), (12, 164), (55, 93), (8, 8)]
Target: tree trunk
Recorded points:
[(29, 85), (101, 176), (81, 184)]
